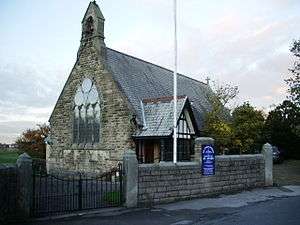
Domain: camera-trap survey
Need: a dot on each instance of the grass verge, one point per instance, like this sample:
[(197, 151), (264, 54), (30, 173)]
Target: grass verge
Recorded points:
[(8, 156)]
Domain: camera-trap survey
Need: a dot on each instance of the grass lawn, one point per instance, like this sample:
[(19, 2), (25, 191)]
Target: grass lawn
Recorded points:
[(8, 156), (287, 173)]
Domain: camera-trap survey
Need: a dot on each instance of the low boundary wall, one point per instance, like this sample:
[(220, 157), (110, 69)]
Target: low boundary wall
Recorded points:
[(167, 182)]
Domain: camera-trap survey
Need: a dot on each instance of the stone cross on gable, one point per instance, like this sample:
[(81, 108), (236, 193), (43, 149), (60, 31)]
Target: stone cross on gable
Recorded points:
[(207, 80)]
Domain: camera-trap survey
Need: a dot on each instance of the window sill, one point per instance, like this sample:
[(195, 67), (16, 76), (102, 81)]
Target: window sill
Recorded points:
[(85, 146)]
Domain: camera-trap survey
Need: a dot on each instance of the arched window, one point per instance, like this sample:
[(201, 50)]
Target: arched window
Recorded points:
[(86, 113)]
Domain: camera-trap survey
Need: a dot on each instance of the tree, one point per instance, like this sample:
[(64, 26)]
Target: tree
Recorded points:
[(32, 141), (216, 123), (282, 128), (225, 93), (221, 97), (294, 80), (247, 126), (240, 132)]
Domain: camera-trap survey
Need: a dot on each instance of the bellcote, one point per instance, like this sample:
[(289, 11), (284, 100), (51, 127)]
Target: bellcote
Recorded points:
[(93, 22), (93, 28)]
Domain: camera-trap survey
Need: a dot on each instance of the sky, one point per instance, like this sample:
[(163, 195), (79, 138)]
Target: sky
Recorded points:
[(244, 43)]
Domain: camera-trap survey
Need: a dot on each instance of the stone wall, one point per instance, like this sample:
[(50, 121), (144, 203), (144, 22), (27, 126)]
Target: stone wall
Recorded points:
[(166, 182), (116, 128)]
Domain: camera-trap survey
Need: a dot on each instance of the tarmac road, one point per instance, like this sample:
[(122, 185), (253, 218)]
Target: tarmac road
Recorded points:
[(274, 206)]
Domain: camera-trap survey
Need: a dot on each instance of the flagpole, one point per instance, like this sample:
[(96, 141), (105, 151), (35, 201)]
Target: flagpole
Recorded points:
[(175, 86)]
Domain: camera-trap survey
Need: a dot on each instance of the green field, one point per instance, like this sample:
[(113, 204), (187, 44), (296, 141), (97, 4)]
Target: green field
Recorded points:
[(8, 156)]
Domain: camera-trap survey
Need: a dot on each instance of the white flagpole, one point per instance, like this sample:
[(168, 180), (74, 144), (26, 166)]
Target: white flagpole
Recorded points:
[(175, 86)]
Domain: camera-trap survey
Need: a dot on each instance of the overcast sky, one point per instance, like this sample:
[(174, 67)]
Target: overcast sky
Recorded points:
[(245, 43)]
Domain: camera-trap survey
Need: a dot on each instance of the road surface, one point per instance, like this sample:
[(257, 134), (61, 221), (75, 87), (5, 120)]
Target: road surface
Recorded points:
[(271, 206)]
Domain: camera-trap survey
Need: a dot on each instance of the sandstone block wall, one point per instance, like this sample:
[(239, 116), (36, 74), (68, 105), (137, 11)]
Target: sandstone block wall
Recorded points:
[(162, 183), (116, 128)]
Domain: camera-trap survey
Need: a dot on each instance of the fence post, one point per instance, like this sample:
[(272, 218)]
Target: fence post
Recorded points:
[(25, 185), (268, 156), (130, 164), (198, 146)]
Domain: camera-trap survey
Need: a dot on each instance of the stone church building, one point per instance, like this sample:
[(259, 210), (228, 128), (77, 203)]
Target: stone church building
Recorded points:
[(112, 101)]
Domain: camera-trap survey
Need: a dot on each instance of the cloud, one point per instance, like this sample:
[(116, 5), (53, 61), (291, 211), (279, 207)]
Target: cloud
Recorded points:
[(280, 89), (267, 97), (28, 94), (10, 131), (31, 85), (254, 59)]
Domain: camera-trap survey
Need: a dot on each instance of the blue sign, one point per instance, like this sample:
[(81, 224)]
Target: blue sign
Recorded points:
[(208, 160)]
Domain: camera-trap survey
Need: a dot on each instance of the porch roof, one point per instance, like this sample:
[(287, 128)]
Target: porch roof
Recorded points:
[(159, 116)]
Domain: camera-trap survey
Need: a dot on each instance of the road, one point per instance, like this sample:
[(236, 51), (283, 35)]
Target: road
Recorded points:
[(282, 211), (273, 206)]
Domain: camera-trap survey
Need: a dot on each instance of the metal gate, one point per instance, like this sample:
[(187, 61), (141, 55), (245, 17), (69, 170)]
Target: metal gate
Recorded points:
[(65, 193)]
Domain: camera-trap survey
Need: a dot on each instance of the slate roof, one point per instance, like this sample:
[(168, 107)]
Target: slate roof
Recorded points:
[(140, 80), (159, 116)]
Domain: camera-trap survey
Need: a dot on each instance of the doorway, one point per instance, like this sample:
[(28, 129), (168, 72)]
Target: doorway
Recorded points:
[(148, 151)]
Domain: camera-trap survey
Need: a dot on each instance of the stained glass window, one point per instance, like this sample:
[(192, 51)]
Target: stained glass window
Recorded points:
[(87, 113)]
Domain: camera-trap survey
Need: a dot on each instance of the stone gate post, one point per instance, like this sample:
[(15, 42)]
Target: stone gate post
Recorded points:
[(267, 151), (130, 165), (198, 143), (24, 194)]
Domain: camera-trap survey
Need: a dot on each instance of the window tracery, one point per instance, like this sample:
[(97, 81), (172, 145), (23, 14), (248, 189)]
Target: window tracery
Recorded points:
[(86, 114)]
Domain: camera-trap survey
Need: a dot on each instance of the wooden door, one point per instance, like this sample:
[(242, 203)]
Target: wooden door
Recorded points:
[(149, 151)]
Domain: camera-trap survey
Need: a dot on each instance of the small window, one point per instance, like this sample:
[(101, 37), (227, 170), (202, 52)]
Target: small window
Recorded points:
[(86, 112)]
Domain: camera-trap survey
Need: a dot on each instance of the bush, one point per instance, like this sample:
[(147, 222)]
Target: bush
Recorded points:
[(32, 141), (112, 197)]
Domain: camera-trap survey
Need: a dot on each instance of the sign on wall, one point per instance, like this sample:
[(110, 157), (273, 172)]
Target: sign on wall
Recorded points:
[(208, 160)]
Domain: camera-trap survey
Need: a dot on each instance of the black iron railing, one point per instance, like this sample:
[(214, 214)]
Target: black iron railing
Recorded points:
[(64, 193)]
